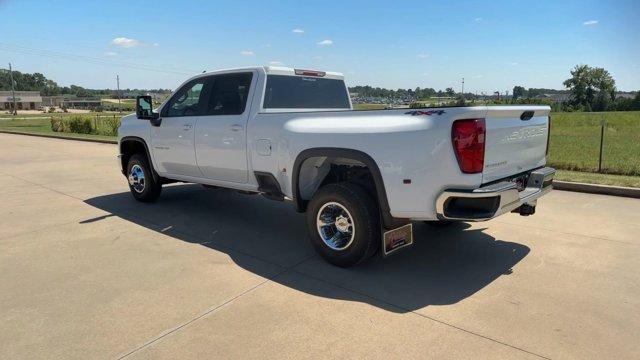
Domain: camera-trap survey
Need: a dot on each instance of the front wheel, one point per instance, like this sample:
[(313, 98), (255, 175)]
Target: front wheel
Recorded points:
[(344, 224), (143, 186)]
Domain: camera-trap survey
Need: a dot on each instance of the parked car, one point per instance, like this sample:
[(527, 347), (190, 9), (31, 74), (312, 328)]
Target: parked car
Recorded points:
[(362, 177)]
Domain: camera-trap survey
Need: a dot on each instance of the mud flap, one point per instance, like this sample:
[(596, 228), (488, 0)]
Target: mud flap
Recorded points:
[(396, 239)]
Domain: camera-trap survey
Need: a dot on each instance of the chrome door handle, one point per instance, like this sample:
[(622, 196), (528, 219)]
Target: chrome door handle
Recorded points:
[(187, 127), (236, 127)]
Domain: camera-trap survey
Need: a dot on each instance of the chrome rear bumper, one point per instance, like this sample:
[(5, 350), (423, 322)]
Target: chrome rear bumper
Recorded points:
[(493, 200)]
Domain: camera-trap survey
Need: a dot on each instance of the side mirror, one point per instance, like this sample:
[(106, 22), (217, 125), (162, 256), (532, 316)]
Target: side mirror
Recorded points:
[(144, 108)]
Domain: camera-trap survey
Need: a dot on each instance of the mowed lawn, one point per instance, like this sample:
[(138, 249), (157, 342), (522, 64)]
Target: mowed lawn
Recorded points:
[(575, 142), (41, 124)]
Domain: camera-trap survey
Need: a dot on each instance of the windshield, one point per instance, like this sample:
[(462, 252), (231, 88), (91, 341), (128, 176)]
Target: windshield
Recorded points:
[(298, 92)]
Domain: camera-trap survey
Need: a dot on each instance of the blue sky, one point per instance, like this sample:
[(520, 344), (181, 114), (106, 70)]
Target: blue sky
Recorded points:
[(493, 44)]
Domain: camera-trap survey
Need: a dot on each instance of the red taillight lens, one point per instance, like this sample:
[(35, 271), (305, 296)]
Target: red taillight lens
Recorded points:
[(548, 136), (310, 72), (468, 137)]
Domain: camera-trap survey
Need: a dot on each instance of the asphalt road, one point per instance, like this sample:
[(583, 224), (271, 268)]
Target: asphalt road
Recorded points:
[(87, 272)]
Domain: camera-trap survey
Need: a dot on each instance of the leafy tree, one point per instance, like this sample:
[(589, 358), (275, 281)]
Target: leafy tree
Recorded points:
[(519, 92), (371, 92), (28, 82), (592, 89), (450, 92), (47, 87)]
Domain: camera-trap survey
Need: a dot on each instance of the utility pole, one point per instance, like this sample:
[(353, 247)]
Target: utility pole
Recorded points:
[(13, 92), (462, 87), (118, 85)]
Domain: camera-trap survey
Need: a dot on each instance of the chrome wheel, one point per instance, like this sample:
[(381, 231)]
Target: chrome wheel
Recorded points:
[(335, 226), (136, 178)]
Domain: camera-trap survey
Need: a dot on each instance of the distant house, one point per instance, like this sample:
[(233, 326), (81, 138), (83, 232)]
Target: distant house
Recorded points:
[(557, 97), (24, 100), (71, 102), (626, 95), (82, 103), (55, 101)]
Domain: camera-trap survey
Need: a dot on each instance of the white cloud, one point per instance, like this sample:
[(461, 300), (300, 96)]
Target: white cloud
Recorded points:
[(477, 76), (155, 44), (297, 31), (590, 23), (478, 19), (326, 42), (276, 63), (125, 42), (423, 56), (317, 57), (111, 53), (267, 45), (246, 52), (513, 63), (425, 74)]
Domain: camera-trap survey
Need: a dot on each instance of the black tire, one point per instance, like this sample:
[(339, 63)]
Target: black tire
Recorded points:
[(151, 189), (365, 219)]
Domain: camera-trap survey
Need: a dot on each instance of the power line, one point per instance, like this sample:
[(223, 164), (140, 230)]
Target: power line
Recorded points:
[(91, 60)]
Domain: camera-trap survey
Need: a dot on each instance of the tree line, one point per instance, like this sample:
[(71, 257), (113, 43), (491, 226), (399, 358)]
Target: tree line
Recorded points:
[(48, 87), (589, 89)]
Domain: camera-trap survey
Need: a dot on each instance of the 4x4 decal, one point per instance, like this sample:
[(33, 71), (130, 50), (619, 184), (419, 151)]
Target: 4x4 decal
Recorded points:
[(425, 112)]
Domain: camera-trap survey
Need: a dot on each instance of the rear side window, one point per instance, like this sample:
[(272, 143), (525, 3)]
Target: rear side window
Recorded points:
[(297, 92), (229, 94)]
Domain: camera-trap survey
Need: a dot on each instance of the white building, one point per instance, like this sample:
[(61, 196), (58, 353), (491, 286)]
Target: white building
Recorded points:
[(25, 100)]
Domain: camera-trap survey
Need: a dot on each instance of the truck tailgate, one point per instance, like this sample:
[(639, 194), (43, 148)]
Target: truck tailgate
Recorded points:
[(514, 143)]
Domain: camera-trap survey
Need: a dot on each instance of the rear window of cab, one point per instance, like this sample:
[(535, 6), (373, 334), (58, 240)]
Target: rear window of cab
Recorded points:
[(300, 92)]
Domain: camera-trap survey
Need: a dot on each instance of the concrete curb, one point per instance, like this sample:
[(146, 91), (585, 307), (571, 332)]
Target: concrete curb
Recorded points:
[(597, 189), (103, 141)]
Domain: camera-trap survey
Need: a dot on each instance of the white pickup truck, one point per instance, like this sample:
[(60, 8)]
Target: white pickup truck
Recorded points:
[(361, 176)]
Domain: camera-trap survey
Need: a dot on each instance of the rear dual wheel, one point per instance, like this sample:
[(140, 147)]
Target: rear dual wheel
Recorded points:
[(344, 224)]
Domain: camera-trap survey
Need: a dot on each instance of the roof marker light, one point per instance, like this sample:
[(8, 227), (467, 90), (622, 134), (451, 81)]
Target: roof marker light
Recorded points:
[(310, 72)]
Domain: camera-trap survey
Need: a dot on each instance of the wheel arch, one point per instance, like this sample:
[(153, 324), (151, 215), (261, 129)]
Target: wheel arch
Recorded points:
[(130, 145), (357, 155)]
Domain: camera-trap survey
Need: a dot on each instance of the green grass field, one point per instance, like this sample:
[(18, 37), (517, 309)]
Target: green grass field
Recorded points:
[(5, 116), (575, 139), (574, 144), (595, 178), (40, 124)]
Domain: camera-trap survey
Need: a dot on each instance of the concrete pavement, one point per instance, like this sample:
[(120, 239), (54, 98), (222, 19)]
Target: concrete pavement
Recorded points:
[(87, 272)]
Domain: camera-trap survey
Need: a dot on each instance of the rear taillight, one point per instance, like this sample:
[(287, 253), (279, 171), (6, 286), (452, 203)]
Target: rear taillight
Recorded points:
[(468, 138), (548, 135)]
